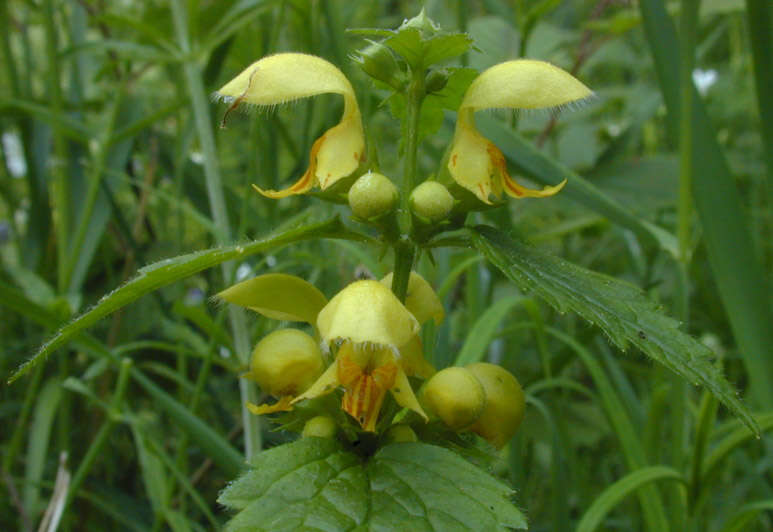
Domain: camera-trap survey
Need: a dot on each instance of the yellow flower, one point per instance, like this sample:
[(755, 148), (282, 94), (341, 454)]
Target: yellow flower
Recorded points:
[(286, 77), (474, 162), (376, 337), (373, 332)]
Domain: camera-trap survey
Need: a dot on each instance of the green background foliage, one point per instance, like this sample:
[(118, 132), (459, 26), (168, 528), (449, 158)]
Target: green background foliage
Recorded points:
[(113, 161)]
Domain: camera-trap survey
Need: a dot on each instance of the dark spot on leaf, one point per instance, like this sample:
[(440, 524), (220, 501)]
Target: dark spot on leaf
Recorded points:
[(642, 335)]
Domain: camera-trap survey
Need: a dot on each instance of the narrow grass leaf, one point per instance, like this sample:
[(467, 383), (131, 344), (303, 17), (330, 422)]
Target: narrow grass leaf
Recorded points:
[(213, 444), (484, 329), (737, 270), (37, 449), (594, 516), (746, 514), (627, 434)]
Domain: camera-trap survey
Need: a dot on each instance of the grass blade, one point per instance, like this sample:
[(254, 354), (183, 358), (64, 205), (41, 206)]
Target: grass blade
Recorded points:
[(610, 497), (649, 496), (737, 270), (213, 444), (484, 330)]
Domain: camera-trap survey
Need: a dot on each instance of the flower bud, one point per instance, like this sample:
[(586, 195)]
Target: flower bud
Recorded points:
[(379, 63), (320, 427), (401, 434), (431, 201), (372, 195), (455, 396), (286, 362), (435, 80), (505, 403)]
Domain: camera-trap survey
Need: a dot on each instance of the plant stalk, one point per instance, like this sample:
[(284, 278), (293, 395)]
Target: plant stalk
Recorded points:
[(405, 250), (195, 84)]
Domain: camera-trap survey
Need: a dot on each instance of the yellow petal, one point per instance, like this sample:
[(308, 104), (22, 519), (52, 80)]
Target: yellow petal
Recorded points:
[(403, 394), (523, 84), (278, 296), (283, 405), (325, 384), (421, 300), (367, 312), (412, 359), (469, 161), (474, 162), (283, 78), (286, 77)]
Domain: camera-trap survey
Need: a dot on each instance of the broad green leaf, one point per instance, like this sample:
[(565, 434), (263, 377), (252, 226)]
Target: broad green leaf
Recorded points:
[(162, 273), (740, 277), (620, 309), (316, 483), (610, 497), (278, 296)]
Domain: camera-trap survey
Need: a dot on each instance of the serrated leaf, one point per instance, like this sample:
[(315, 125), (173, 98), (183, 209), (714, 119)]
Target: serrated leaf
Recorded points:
[(446, 46), (316, 483), (620, 309), (164, 272)]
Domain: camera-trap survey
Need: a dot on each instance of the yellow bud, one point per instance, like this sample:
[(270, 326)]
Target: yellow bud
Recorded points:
[(286, 362), (401, 434), (372, 195), (455, 396), (320, 427), (432, 201), (504, 403)]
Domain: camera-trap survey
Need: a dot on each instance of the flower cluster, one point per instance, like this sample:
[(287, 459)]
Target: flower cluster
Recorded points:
[(372, 336), (474, 163)]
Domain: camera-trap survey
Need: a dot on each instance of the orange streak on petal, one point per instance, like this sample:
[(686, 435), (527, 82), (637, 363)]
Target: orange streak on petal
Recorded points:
[(305, 183), (510, 186)]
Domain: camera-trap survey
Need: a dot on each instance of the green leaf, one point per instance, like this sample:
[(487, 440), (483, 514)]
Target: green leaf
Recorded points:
[(621, 310), (740, 277), (213, 444), (167, 271), (48, 401), (610, 497), (316, 483), (484, 329)]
